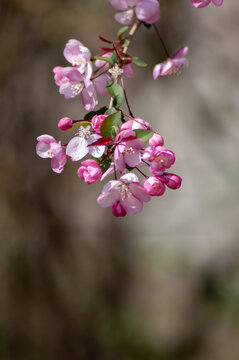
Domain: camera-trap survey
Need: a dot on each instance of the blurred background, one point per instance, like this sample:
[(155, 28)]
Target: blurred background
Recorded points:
[(76, 283)]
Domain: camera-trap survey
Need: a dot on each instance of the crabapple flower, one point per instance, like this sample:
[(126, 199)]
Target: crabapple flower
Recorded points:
[(78, 55), (78, 147), (154, 186), (127, 150), (145, 10), (173, 181), (171, 65), (72, 83), (135, 124), (97, 121), (65, 123), (90, 171), (160, 159), (48, 147), (204, 3), (127, 191), (156, 140), (127, 67)]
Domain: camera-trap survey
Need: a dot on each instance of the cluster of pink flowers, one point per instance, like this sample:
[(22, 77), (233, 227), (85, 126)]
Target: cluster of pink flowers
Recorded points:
[(116, 144)]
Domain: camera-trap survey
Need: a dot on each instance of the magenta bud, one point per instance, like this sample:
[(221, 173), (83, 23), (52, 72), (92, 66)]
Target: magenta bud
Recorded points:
[(173, 181), (156, 140), (90, 171), (118, 210), (65, 123), (154, 186)]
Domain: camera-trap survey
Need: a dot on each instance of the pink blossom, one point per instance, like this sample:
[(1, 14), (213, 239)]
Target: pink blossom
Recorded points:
[(127, 191), (154, 186), (156, 140), (97, 121), (204, 3), (78, 55), (72, 83), (90, 171), (173, 181), (135, 124), (48, 147), (78, 147), (65, 123), (171, 65), (145, 10), (127, 151), (160, 159)]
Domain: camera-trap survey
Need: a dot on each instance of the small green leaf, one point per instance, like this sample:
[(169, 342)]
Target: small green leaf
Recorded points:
[(114, 57), (110, 111), (139, 62), (144, 135), (116, 92), (104, 163), (122, 31), (90, 114), (104, 58), (109, 125), (82, 123)]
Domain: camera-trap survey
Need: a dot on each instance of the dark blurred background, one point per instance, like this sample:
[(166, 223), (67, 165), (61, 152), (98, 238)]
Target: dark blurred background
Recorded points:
[(77, 284)]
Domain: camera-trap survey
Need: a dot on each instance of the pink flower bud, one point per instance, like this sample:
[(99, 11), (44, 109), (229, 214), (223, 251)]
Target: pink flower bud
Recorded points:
[(90, 171), (65, 123), (156, 140), (97, 121), (173, 181), (118, 210), (154, 186)]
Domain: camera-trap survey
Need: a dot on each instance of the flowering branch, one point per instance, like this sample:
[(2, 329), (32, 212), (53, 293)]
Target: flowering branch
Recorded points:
[(116, 143)]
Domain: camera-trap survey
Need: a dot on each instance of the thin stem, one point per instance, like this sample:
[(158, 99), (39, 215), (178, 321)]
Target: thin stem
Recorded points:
[(125, 95), (99, 75), (141, 173), (115, 172), (161, 40)]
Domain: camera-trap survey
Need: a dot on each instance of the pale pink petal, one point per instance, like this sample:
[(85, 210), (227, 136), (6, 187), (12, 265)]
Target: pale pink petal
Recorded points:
[(96, 151), (131, 177), (89, 98), (148, 11), (100, 84), (157, 70), (58, 162), (108, 172), (139, 192), (119, 158), (181, 53), (77, 148), (125, 17), (46, 138), (110, 194), (131, 205), (119, 4), (128, 70), (42, 150), (132, 159)]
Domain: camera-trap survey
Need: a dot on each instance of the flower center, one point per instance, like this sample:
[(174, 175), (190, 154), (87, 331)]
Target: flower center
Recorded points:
[(116, 71), (84, 132), (128, 150), (77, 88), (78, 61), (49, 153), (125, 192)]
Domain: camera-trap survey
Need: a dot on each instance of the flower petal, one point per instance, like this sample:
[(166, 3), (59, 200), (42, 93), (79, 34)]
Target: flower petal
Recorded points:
[(77, 148)]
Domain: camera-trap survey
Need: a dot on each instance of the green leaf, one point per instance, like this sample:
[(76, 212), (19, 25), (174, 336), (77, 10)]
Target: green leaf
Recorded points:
[(104, 164), (122, 31), (139, 62), (110, 125), (82, 123), (114, 57), (110, 111), (104, 58), (144, 135), (116, 92), (90, 114)]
